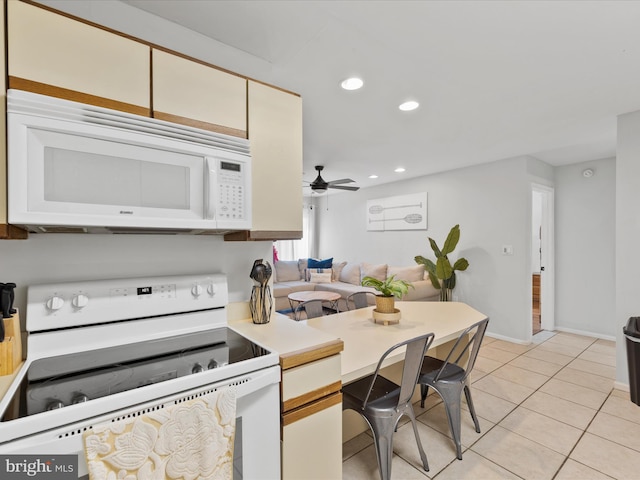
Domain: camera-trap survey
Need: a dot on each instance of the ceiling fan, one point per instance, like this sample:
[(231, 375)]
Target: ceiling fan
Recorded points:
[(319, 185)]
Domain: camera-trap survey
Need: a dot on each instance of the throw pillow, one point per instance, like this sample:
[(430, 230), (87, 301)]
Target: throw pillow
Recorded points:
[(324, 277), (302, 266), (287, 271), (315, 263), (337, 270), (408, 274), (376, 271), (309, 271), (350, 274)]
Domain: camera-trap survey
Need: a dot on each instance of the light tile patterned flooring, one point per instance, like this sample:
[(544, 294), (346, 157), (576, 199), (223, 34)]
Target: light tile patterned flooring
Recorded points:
[(547, 411)]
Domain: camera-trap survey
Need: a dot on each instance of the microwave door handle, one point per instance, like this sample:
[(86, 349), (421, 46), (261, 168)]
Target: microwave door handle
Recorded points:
[(211, 179)]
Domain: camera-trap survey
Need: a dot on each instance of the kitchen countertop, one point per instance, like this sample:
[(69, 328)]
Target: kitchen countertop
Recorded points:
[(365, 341), (291, 339)]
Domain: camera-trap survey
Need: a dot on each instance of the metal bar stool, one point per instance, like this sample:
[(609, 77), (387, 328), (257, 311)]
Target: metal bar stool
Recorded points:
[(382, 402)]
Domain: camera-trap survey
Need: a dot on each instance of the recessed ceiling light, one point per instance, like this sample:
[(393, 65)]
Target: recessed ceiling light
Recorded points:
[(373, 176), (353, 83), (408, 106), (399, 170)]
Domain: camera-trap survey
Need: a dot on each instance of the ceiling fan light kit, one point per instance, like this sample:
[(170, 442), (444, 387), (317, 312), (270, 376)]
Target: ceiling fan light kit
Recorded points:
[(320, 185)]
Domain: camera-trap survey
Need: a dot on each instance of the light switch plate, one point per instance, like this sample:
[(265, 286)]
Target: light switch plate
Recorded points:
[(507, 249)]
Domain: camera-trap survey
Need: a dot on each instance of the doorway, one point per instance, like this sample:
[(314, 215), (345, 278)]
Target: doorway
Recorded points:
[(542, 259)]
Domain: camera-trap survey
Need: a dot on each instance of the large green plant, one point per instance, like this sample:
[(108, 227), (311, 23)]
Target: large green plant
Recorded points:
[(390, 287), (442, 274)]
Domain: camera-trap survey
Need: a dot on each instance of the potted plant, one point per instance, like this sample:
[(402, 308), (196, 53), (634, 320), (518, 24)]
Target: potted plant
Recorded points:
[(389, 289), (442, 274)]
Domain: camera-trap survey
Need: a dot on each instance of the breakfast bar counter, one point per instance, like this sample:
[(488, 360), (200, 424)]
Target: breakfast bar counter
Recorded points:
[(365, 340), (318, 355)]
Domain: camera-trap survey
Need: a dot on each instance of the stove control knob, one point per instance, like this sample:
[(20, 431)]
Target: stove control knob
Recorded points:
[(212, 364), (80, 301), (80, 398), (55, 303), (196, 290), (197, 368), (54, 405), (211, 289)]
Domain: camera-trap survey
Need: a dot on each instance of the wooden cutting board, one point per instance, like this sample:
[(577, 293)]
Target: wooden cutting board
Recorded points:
[(11, 348)]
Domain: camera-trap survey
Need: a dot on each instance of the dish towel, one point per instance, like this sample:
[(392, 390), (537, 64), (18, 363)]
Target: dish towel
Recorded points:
[(192, 440)]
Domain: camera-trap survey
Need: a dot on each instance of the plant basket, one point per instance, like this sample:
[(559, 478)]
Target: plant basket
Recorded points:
[(385, 304)]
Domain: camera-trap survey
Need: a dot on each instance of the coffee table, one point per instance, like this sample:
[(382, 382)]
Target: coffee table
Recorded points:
[(299, 297)]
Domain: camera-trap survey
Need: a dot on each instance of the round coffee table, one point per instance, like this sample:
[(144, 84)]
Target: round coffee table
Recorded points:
[(299, 297)]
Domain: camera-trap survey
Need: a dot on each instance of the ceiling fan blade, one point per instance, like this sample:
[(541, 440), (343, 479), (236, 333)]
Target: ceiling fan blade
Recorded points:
[(342, 187), (342, 180)]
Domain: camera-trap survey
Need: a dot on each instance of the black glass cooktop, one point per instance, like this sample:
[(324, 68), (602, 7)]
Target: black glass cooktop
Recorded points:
[(57, 382)]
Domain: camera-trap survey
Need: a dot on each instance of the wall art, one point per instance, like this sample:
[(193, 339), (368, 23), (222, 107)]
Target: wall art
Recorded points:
[(402, 212)]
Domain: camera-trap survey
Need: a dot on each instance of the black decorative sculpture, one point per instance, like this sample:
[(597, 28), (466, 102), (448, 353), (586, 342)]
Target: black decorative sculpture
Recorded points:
[(261, 302)]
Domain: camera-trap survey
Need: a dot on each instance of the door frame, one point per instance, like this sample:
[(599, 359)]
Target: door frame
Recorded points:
[(547, 242)]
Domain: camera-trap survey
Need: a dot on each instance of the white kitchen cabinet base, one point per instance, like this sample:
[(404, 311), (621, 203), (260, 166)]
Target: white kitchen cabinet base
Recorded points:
[(304, 439)]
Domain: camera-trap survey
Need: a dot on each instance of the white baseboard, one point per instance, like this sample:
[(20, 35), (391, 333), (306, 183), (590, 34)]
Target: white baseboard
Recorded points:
[(506, 339), (621, 386), (585, 333), (557, 329)]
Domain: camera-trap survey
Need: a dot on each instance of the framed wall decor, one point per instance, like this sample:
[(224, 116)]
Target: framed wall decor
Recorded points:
[(402, 212)]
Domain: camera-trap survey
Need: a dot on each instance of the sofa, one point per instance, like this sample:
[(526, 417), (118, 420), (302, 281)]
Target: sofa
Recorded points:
[(344, 278)]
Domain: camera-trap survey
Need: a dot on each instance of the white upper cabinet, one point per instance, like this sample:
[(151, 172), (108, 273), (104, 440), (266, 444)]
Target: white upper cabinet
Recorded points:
[(55, 55), (188, 92), (275, 133)]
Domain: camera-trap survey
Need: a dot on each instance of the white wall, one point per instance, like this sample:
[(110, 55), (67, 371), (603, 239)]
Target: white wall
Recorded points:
[(627, 232), (585, 248), (47, 258), (492, 204)]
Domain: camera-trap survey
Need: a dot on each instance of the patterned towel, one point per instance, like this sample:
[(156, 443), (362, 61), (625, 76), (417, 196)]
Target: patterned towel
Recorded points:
[(192, 440)]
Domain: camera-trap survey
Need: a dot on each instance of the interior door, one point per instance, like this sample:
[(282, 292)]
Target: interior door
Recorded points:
[(545, 199)]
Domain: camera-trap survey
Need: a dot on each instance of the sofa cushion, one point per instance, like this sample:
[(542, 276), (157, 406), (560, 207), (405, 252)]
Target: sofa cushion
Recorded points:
[(350, 274), (287, 271), (302, 266), (320, 277), (344, 289), (315, 263), (309, 271), (413, 273), (337, 270), (282, 289), (378, 272)]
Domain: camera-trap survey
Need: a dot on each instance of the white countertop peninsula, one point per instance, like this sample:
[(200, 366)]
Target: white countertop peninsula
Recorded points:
[(284, 335), (365, 341), (313, 424)]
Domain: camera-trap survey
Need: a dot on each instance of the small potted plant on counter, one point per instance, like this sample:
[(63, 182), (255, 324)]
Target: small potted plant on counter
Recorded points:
[(389, 289)]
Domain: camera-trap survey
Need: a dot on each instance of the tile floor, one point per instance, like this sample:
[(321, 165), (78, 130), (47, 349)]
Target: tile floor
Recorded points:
[(547, 411)]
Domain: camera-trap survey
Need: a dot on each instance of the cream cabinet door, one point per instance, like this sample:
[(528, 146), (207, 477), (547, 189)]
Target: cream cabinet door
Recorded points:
[(312, 446), (188, 92), (275, 133), (52, 54)]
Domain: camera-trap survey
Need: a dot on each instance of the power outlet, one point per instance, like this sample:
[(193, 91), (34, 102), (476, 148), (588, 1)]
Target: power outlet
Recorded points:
[(507, 249)]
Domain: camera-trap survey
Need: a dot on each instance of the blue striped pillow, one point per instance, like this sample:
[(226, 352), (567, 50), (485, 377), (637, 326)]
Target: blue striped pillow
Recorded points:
[(315, 263)]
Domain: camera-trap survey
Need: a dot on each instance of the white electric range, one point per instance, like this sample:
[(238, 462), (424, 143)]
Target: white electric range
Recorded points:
[(102, 350)]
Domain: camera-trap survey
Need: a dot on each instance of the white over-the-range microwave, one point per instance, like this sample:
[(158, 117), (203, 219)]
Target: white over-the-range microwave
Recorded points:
[(80, 168)]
